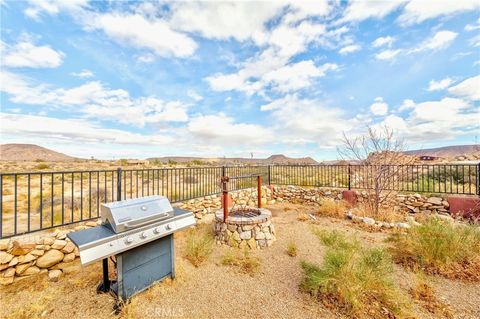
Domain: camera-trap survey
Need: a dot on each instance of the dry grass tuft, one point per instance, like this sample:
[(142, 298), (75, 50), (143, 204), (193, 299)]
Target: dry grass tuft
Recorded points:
[(354, 279), (199, 244), (440, 247), (292, 249), (332, 208), (245, 263)]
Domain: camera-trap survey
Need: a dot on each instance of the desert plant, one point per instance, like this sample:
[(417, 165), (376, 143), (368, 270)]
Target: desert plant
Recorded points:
[(292, 249), (357, 279), (440, 247), (331, 208), (381, 157), (42, 166), (244, 262), (199, 245)]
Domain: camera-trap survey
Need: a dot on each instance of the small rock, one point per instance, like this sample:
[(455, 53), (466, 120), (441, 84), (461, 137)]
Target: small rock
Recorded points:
[(20, 269), (33, 270), (91, 224), (69, 258), (5, 257), (23, 249), (69, 247), (48, 241), (260, 235), (403, 225), (4, 243), (13, 262), (37, 252), (246, 235), (54, 275), (368, 220), (50, 258), (6, 280), (10, 272), (59, 244)]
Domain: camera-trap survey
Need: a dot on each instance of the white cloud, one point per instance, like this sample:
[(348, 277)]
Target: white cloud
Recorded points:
[(469, 88), (439, 85), (83, 74), (383, 41), (53, 7), (473, 27), (194, 95), (300, 121), (136, 30), (95, 100), (407, 104), (73, 131), (361, 10), (379, 107), (223, 129), (435, 120), (417, 11), (388, 54), (27, 54), (440, 40), (350, 49)]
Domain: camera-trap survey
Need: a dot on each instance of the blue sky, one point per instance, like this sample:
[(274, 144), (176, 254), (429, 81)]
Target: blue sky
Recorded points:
[(141, 79)]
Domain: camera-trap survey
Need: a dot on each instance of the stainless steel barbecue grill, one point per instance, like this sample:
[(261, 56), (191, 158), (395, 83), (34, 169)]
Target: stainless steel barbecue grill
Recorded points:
[(139, 233)]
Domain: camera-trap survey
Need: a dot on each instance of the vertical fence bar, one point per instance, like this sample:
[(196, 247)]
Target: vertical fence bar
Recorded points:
[(15, 204), (28, 206), (1, 205), (51, 202), (119, 183), (63, 198)]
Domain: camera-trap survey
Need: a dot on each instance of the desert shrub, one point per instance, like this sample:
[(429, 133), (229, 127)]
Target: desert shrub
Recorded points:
[(331, 208), (358, 280), (335, 239), (42, 166), (243, 261), (292, 249), (199, 245), (440, 247)]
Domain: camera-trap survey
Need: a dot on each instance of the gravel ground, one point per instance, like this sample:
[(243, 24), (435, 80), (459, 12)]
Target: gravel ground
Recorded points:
[(216, 291)]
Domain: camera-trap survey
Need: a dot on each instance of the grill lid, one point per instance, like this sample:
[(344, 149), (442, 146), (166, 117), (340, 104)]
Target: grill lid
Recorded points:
[(132, 213)]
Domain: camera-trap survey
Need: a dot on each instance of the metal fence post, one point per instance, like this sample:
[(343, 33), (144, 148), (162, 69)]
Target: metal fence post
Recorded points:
[(478, 179), (349, 177), (119, 183), (269, 175), (259, 191)]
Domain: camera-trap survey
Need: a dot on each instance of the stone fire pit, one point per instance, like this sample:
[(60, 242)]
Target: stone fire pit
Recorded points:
[(245, 227)]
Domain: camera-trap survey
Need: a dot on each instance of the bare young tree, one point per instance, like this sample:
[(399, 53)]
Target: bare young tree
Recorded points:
[(380, 156)]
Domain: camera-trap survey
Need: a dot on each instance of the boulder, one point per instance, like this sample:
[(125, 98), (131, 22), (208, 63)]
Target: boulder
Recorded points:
[(435, 201), (33, 270), (50, 258), (368, 221), (69, 258)]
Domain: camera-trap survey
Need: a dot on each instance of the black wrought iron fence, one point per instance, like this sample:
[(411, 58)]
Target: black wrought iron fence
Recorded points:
[(41, 200)]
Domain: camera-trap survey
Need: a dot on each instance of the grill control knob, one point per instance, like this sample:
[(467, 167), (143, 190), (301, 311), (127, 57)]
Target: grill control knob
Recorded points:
[(169, 226), (128, 240), (157, 230), (144, 234)]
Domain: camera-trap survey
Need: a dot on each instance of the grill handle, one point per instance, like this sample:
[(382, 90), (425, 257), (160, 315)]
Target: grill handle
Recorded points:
[(145, 221)]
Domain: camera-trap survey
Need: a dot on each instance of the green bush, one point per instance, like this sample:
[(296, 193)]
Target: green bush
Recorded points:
[(199, 245), (357, 279)]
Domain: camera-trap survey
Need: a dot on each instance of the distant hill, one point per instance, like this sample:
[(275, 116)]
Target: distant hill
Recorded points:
[(31, 152), (456, 151), (274, 159)]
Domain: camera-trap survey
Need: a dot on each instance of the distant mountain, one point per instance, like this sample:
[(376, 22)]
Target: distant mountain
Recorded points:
[(31, 152), (455, 151), (274, 159)]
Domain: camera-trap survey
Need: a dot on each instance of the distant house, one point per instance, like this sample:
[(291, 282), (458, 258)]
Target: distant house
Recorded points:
[(428, 158)]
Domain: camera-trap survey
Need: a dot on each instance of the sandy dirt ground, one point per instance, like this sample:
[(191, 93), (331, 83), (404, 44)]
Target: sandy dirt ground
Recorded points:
[(216, 291)]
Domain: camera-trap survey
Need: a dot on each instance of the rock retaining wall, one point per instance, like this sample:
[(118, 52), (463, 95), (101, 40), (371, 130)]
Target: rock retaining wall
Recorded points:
[(411, 203), (52, 253)]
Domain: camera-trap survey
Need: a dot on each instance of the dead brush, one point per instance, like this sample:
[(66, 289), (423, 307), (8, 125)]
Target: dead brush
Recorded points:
[(331, 208), (424, 294), (199, 244), (355, 280), (244, 262), (440, 247), (303, 217)]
